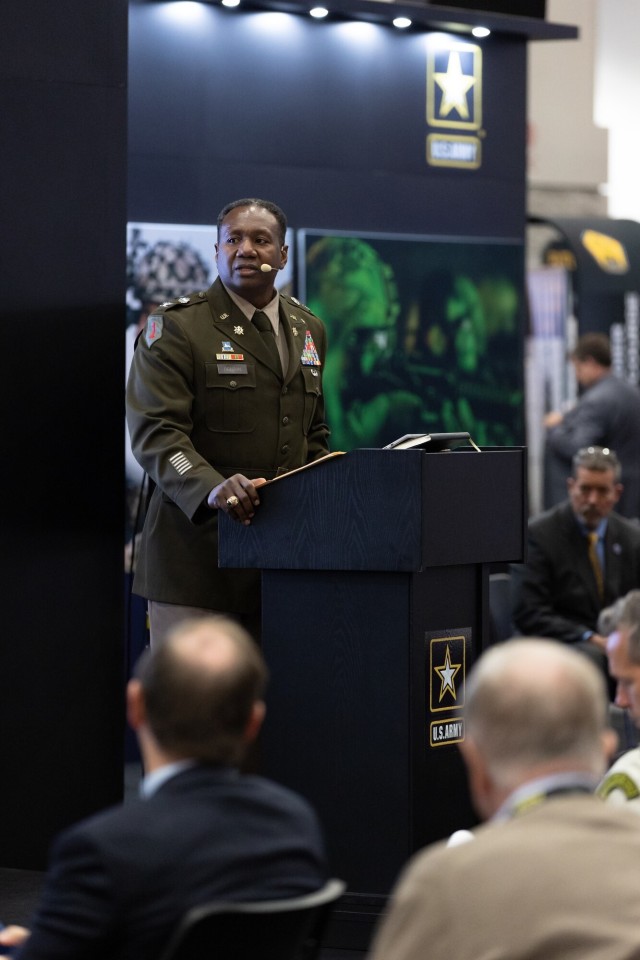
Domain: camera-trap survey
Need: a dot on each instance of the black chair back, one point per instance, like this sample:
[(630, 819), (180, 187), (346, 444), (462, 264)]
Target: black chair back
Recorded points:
[(289, 929)]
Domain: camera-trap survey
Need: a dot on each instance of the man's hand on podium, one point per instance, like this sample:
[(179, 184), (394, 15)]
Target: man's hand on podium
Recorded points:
[(237, 496)]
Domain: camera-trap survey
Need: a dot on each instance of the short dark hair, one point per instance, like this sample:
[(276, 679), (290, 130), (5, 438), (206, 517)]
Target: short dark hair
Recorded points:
[(594, 346), (273, 208), (195, 709), (596, 458)]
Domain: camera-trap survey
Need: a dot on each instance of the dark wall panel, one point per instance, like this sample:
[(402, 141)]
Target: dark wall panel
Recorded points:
[(63, 103), (328, 119)]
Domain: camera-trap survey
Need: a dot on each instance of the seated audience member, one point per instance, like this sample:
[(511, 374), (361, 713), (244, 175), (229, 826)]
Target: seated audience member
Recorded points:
[(120, 882), (621, 783), (554, 872), (567, 580)]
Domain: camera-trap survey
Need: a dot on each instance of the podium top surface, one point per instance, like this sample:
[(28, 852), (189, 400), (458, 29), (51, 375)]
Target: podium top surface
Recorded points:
[(393, 510)]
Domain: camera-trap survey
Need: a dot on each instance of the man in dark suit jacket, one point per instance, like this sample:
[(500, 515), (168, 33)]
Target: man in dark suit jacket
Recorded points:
[(213, 406), (556, 593), (553, 872), (607, 414), (120, 882)]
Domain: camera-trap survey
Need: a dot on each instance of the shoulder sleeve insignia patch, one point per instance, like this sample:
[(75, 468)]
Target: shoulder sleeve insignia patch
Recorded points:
[(153, 329)]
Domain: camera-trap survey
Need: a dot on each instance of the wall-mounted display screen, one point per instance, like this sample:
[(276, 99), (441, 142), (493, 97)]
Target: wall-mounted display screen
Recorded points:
[(425, 334)]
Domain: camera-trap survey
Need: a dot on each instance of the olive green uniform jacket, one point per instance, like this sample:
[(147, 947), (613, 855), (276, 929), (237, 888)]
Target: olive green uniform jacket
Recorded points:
[(205, 401)]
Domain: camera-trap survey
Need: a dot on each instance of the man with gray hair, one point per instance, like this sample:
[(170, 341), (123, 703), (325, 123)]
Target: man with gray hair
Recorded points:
[(621, 784), (581, 557), (554, 872)]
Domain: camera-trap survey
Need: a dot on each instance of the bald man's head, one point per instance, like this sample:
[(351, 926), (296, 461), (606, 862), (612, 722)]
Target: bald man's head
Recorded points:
[(200, 686)]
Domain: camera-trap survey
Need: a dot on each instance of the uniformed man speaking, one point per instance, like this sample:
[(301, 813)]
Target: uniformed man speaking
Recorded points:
[(225, 387)]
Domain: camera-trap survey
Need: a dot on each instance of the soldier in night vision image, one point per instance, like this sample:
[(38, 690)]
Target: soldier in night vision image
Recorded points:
[(369, 401), (461, 340)]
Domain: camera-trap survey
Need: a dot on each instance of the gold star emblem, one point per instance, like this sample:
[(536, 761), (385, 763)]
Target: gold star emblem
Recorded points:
[(454, 85), (447, 675)]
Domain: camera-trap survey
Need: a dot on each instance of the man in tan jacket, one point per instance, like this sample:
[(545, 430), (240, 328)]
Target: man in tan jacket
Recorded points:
[(554, 873)]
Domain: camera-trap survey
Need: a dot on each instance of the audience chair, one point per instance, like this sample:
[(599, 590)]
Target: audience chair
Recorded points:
[(290, 929)]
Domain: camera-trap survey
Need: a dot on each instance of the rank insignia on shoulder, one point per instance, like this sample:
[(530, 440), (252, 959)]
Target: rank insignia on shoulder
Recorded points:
[(309, 356), (183, 299), (153, 329)]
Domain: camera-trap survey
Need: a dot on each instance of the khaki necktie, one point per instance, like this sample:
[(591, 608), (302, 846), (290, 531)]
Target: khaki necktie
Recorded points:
[(592, 536), (262, 323)]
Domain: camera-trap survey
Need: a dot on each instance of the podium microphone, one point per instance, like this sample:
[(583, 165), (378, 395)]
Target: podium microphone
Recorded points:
[(266, 268)]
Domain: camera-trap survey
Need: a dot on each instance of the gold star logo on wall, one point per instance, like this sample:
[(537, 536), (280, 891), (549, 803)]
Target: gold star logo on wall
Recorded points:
[(454, 85), (454, 104)]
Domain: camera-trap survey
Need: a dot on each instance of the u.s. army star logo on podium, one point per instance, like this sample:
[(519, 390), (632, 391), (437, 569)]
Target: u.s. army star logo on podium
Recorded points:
[(454, 103), (446, 665)]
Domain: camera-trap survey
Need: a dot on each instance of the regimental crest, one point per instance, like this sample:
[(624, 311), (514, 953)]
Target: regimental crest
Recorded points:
[(309, 356)]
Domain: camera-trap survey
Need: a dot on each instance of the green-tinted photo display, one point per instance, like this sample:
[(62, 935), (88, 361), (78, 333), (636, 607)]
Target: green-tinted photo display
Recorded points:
[(424, 335)]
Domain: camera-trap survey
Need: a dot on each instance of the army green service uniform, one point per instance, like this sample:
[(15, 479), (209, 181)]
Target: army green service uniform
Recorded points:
[(205, 401)]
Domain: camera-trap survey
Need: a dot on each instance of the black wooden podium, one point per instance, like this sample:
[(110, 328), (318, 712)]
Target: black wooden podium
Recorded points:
[(375, 604)]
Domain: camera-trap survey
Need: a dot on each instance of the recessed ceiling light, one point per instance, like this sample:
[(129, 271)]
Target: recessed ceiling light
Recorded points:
[(402, 23), (318, 12), (480, 32)]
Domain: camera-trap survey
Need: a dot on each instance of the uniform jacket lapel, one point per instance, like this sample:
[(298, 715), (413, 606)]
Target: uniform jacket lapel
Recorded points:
[(614, 559), (295, 341), (230, 322)]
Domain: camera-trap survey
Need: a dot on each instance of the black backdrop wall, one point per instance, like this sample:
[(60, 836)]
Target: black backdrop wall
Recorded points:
[(63, 103), (327, 119)]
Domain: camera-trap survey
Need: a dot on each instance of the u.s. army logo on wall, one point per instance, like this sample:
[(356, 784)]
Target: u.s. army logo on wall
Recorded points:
[(454, 103)]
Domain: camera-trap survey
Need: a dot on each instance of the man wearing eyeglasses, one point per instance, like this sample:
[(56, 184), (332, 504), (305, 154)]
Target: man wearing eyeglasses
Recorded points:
[(582, 556)]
